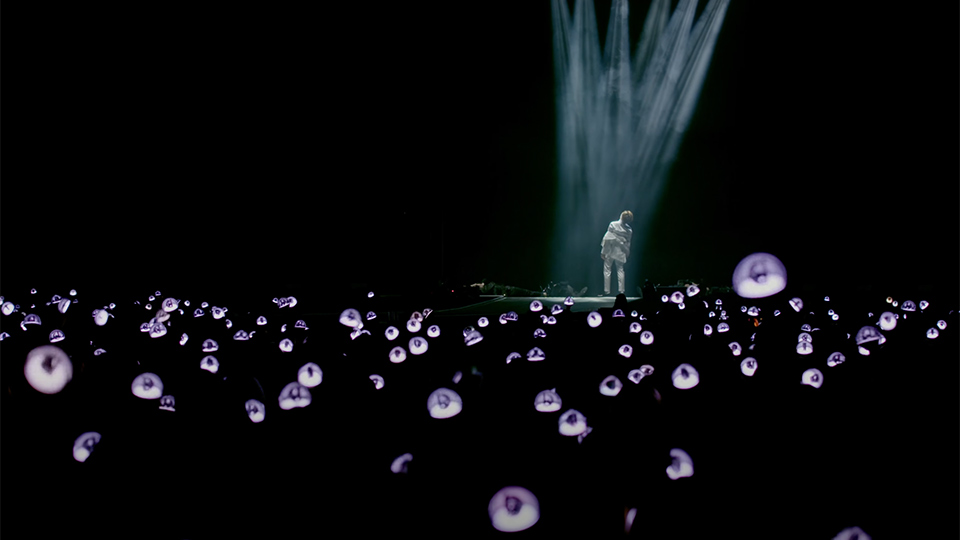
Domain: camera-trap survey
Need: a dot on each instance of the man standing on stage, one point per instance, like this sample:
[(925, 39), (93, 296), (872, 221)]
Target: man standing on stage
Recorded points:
[(615, 247)]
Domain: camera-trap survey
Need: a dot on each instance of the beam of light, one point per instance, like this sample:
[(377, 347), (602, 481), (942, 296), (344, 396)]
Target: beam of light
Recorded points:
[(620, 122)]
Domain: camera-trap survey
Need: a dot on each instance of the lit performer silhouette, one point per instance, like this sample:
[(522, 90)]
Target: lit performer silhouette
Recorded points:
[(615, 248)]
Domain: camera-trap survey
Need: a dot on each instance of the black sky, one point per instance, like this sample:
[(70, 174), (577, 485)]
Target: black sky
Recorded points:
[(358, 143)]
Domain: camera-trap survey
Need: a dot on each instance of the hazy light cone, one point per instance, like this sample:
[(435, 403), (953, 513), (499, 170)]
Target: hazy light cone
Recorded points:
[(513, 509), (48, 369), (444, 403)]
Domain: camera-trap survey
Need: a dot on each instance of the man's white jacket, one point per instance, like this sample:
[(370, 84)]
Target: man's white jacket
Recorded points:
[(616, 242)]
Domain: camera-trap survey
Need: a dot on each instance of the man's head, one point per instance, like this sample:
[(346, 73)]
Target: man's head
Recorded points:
[(626, 216)]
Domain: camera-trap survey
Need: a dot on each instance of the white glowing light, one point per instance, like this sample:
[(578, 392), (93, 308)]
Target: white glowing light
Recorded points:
[(611, 386), (812, 377), (413, 326), (101, 316), (472, 338), (748, 366), (636, 375), (548, 401), (735, 348), (932, 333), (399, 465), (392, 333), (635, 327), (852, 533), (7, 308), (594, 319), (536, 355), (707, 330), (158, 330), (888, 321), (676, 297), (685, 377), (210, 363), (286, 345), (625, 351), (539, 333), (55, 336), (682, 466), (48, 369), (147, 386), (908, 305), (84, 444), (294, 395), (377, 381), (513, 509), (942, 324), (618, 313), (836, 359), (170, 304), (483, 322), (796, 304), (664, 299), (805, 336), (209, 345), (556, 309), (444, 403), (198, 312), (310, 375), (759, 275), (513, 356), (574, 424), (398, 354), (167, 403), (417, 345), (804, 347), (256, 411), (924, 305), (692, 290), (63, 305), (723, 327), (218, 312), (536, 305), (350, 318), (646, 338), (867, 334), (433, 331)]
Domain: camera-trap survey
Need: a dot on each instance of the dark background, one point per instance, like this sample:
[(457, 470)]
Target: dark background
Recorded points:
[(402, 144)]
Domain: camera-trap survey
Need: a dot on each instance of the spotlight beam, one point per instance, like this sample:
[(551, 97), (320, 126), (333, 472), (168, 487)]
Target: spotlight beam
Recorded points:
[(620, 122)]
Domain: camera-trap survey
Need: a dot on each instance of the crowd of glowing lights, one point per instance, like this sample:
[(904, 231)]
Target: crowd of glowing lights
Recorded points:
[(48, 369)]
